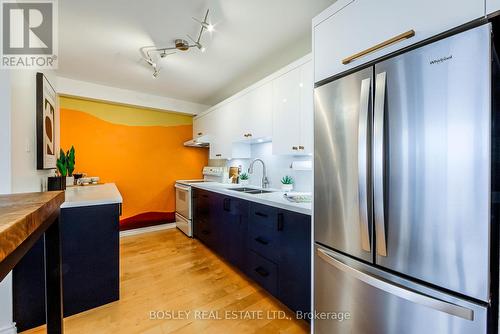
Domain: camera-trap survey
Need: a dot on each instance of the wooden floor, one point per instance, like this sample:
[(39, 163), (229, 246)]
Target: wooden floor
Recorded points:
[(165, 271)]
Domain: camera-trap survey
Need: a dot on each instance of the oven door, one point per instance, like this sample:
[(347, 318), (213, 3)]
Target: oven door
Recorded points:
[(183, 200)]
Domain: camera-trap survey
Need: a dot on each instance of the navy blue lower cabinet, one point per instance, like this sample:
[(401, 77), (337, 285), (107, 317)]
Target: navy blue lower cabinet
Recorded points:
[(234, 220), (295, 260), (90, 265), (272, 246)]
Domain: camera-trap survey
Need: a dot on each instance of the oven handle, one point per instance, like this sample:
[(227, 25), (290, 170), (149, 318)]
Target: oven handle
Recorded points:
[(182, 187)]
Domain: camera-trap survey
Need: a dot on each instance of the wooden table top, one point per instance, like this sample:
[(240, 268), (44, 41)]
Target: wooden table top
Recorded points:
[(22, 214)]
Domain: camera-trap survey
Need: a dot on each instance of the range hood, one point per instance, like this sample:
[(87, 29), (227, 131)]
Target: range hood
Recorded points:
[(198, 142)]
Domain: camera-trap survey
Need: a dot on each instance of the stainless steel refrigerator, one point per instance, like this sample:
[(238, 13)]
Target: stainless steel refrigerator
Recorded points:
[(402, 192)]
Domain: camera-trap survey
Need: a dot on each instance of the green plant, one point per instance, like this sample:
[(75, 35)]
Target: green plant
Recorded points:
[(287, 180), (62, 164), (243, 176), (70, 161)]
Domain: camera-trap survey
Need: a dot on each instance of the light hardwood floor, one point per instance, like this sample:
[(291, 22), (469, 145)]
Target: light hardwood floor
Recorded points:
[(166, 271)]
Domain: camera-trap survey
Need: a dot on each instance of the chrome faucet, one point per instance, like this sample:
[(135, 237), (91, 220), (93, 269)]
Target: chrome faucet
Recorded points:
[(265, 181)]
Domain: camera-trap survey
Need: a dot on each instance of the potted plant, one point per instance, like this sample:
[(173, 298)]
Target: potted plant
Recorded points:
[(66, 165), (287, 183), (243, 178), (70, 165)]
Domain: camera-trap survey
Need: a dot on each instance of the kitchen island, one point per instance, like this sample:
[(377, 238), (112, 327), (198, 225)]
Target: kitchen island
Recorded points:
[(89, 224), (24, 218)]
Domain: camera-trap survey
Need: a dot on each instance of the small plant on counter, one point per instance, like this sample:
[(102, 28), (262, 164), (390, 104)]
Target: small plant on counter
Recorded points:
[(244, 178), (287, 183), (70, 160), (62, 164)]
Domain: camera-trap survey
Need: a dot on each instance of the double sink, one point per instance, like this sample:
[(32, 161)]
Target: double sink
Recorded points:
[(252, 191)]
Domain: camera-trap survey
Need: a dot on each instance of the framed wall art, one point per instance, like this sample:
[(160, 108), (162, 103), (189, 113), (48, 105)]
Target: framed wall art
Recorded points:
[(47, 123)]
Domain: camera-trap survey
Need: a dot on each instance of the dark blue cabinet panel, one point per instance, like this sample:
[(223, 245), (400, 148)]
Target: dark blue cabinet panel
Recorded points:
[(90, 265), (270, 245), (295, 261)]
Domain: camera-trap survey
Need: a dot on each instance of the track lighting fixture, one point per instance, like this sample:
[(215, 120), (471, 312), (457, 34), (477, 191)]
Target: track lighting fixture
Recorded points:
[(179, 45)]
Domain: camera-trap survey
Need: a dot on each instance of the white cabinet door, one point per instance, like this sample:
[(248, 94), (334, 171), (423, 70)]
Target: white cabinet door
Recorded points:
[(221, 140), (253, 112), (306, 108), (492, 6), (203, 125), (363, 24), (286, 112)]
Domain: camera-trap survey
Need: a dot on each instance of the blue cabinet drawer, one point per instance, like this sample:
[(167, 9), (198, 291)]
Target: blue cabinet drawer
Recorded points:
[(264, 242), (264, 272)]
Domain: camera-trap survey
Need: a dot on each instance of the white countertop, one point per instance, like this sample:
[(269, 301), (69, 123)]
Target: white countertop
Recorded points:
[(274, 198), (92, 195)]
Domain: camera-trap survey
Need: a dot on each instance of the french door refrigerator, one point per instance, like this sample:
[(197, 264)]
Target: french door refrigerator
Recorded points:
[(402, 183)]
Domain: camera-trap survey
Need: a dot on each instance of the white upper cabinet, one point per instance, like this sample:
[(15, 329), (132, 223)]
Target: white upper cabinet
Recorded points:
[(203, 125), (349, 27), (221, 142), (492, 6), (293, 111), (253, 112)]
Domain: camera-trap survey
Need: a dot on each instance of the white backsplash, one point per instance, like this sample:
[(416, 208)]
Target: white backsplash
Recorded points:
[(277, 166)]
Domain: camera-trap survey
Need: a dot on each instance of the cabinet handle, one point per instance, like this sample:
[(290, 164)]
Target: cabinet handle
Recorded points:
[(261, 241), (295, 148), (281, 219), (249, 135), (227, 204), (395, 39), (218, 155), (260, 214), (301, 147), (261, 271), (200, 133)]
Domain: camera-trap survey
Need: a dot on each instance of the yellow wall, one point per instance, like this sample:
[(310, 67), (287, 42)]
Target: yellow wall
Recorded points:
[(139, 149)]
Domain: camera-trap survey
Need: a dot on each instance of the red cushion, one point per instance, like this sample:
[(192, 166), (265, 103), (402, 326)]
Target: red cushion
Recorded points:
[(146, 219)]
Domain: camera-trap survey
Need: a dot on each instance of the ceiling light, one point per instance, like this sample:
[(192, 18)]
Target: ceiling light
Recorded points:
[(179, 44)]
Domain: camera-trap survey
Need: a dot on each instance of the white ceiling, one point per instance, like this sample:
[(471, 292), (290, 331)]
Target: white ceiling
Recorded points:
[(100, 42)]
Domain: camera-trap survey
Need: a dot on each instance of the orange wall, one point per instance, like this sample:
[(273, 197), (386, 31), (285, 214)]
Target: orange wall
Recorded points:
[(143, 161)]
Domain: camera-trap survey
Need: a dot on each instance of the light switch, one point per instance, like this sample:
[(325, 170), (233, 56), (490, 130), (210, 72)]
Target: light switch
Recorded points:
[(28, 145)]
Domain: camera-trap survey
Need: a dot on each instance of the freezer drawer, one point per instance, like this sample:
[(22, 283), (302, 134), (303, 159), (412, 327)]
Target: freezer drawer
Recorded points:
[(431, 159), (377, 302)]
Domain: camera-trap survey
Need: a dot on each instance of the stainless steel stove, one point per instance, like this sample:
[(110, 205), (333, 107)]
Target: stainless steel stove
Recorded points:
[(183, 202)]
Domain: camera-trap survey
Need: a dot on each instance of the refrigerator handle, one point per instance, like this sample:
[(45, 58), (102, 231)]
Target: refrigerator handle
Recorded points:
[(364, 105), (397, 290), (378, 163)]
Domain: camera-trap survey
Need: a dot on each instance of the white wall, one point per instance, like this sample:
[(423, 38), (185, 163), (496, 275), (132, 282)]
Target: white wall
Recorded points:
[(76, 88), (277, 166), (25, 176), (6, 325), (18, 171)]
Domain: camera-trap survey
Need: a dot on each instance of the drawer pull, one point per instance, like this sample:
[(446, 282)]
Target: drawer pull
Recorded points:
[(280, 221), (227, 204), (200, 133), (260, 214), (395, 39), (261, 241), (218, 155), (261, 271), (295, 148)]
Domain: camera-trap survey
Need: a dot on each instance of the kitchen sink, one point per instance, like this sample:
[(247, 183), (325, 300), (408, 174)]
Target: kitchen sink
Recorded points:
[(251, 190), (258, 191), (243, 189)]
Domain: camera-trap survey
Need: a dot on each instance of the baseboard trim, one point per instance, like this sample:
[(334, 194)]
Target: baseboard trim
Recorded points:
[(12, 329), (144, 230)]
